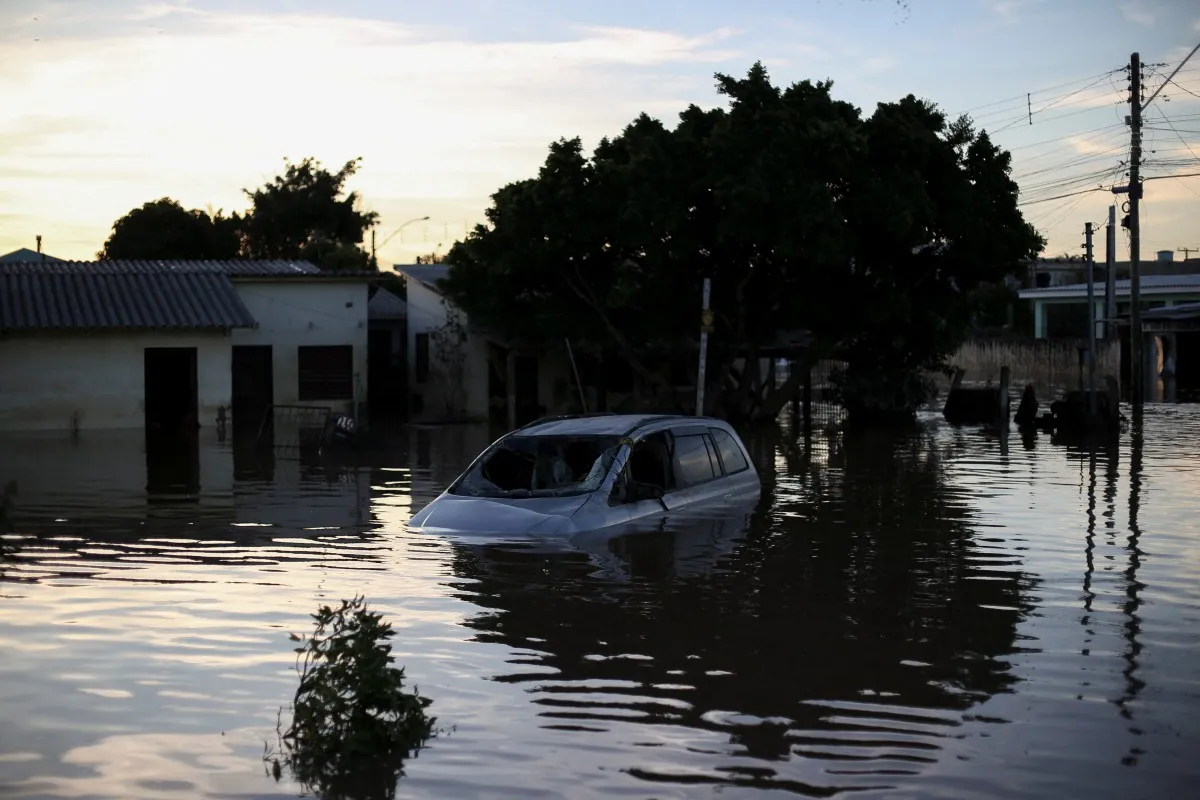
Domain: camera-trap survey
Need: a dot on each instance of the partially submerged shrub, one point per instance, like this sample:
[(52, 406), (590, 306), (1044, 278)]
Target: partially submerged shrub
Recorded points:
[(353, 724)]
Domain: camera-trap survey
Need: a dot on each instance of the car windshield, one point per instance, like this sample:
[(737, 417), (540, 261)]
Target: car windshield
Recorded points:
[(540, 466)]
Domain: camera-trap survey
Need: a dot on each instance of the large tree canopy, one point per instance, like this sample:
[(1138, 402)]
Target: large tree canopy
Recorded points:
[(163, 229), (305, 213), (868, 232)]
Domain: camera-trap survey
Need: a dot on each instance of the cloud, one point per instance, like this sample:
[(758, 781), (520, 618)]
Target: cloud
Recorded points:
[(96, 126), (1012, 12), (1087, 146), (1140, 13)]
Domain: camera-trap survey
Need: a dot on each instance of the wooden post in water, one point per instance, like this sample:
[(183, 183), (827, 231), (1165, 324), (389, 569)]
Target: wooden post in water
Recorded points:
[(793, 365), (807, 397), (1002, 415)]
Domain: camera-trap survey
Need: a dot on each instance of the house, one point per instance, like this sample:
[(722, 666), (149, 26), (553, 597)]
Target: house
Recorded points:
[(457, 371), (122, 344), (25, 254), (1061, 311)]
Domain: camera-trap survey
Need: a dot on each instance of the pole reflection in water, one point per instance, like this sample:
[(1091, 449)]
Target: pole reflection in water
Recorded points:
[(1133, 587)]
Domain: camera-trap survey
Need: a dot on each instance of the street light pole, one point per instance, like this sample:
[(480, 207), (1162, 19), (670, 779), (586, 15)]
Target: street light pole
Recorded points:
[(392, 236)]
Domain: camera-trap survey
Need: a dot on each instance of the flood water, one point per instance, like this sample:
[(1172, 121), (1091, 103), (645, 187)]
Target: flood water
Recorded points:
[(935, 615)]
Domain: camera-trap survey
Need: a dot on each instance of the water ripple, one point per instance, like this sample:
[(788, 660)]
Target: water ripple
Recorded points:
[(941, 615)]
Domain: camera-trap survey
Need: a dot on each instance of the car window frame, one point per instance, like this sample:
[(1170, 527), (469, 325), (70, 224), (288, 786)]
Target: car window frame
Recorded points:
[(736, 443), (711, 447)]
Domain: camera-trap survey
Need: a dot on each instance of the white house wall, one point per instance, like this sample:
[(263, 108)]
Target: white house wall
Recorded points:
[(291, 315), (97, 380), (427, 314)]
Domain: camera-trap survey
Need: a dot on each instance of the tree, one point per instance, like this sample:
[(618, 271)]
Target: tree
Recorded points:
[(431, 258), (163, 229), (868, 233), (306, 214)]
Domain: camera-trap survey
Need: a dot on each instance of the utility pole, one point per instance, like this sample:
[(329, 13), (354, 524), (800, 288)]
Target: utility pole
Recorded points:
[(1187, 251), (706, 319), (1110, 274), (1091, 337), (1136, 343)]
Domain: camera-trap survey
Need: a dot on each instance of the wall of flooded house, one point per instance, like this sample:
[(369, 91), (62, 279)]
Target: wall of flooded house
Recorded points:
[(292, 315), (427, 315), (97, 380), (1045, 363)]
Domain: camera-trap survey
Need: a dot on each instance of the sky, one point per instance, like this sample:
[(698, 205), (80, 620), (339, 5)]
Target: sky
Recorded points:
[(108, 104)]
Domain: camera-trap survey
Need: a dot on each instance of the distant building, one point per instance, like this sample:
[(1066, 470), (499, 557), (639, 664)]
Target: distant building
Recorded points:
[(477, 377), (122, 344), (25, 254)]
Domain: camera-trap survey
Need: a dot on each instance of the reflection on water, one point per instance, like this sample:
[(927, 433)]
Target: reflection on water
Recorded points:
[(948, 613)]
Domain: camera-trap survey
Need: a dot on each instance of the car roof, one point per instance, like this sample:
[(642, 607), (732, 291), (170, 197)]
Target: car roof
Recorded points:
[(605, 424)]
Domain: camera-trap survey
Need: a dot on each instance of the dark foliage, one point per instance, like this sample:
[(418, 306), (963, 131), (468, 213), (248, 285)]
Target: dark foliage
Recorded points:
[(305, 213), (868, 232), (163, 229), (353, 723)]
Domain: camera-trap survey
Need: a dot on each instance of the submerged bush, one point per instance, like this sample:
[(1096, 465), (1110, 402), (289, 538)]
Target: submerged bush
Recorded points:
[(353, 724)]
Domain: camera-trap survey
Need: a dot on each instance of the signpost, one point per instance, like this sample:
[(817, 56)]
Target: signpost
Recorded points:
[(706, 323)]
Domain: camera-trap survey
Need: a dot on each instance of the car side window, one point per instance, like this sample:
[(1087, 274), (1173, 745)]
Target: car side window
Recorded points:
[(731, 453), (693, 462)]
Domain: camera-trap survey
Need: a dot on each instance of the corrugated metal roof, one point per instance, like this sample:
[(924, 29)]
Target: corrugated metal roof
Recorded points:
[(385, 305), (235, 267), (37, 297), (427, 275)]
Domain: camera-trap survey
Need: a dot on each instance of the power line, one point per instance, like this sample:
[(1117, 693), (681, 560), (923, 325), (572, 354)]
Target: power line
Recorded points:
[(1023, 97), (1169, 77)]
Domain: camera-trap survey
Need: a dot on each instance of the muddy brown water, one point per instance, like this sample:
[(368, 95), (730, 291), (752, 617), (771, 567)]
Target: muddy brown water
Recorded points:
[(942, 614)]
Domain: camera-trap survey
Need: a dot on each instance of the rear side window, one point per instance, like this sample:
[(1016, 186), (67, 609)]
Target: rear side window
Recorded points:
[(693, 461), (731, 453)]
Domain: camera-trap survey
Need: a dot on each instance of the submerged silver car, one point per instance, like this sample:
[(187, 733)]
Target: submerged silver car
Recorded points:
[(565, 475)]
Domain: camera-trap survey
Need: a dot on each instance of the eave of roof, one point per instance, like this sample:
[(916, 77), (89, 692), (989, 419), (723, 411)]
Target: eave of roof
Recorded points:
[(1150, 284)]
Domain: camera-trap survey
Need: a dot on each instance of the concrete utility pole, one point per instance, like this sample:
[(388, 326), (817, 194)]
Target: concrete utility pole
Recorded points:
[(1187, 251), (1110, 274), (1136, 344), (1091, 336)]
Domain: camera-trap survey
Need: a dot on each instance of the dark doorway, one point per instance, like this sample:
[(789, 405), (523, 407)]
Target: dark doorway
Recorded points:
[(1187, 366), (387, 373), (525, 376), (171, 396), (253, 385)]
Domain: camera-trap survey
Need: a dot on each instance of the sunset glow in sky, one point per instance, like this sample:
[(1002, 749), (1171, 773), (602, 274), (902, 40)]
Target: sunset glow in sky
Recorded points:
[(111, 103)]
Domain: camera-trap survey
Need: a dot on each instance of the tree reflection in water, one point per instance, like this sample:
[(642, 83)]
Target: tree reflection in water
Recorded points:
[(859, 599), (353, 724)]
